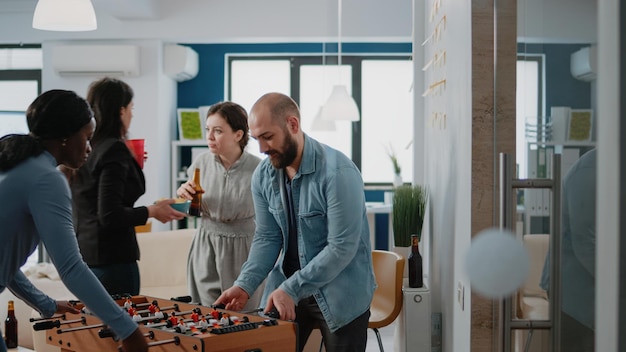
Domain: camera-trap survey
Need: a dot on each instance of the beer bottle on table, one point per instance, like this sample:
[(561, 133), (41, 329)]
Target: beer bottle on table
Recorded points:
[(10, 327), (415, 264), (195, 209)]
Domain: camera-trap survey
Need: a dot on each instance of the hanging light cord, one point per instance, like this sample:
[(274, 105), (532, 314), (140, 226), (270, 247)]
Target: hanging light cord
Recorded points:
[(339, 33)]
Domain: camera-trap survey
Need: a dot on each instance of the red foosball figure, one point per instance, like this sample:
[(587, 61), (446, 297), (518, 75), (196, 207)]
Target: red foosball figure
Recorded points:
[(195, 316), (132, 311), (173, 320), (152, 307), (215, 314)]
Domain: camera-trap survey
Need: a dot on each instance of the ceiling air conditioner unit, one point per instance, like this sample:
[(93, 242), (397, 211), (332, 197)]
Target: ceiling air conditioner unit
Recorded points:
[(584, 63), (96, 60), (180, 62)]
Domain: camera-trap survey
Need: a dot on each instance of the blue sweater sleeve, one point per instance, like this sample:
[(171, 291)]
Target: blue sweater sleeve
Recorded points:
[(50, 206)]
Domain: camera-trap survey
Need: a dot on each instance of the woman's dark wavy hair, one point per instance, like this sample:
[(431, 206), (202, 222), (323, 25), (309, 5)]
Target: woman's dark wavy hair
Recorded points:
[(55, 114), (236, 117), (107, 97)]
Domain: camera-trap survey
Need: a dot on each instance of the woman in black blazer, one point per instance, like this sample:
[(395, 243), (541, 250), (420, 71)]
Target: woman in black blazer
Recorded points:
[(105, 189)]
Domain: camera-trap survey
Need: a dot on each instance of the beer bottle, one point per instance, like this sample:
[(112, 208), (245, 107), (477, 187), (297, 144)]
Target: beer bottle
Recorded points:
[(415, 264), (195, 209), (10, 327)]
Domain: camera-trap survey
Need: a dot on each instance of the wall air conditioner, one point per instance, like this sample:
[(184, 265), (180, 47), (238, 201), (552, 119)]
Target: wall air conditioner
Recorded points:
[(180, 62), (584, 64), (96, 60)]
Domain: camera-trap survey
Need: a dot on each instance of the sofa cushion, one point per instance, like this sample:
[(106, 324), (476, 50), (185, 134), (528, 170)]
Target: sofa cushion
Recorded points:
[(537, 247), (163, 262)]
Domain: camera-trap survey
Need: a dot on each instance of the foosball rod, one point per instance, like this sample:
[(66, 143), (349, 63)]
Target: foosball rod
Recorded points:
[(56, 316), (60, 331), (175, 340)]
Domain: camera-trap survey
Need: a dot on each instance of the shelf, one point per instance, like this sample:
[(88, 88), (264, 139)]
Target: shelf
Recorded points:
[(565, 144), (198, 143)]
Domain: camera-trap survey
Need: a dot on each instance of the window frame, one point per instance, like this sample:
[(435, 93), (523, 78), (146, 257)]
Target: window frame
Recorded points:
[(299, 60)]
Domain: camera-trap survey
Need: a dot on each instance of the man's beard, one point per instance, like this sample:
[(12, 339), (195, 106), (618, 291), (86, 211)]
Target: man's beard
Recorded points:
[(283, 159)]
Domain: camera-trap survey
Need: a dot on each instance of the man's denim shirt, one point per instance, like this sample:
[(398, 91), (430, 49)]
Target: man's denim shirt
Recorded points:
[(333, 235)]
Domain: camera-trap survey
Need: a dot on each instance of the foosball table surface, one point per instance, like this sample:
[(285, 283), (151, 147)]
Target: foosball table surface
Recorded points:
[(182, 328)]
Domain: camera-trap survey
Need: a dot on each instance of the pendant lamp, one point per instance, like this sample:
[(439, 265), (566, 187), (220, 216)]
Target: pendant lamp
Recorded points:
[(320, 123), (65, 15), (340, 105)]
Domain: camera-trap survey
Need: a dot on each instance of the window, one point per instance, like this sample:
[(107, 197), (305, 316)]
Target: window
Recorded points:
[(530, 106), (20, 84), (380, 85)]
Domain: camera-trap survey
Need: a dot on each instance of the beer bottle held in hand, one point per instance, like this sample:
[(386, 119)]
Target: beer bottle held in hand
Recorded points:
[(195, 209), (10, 327)]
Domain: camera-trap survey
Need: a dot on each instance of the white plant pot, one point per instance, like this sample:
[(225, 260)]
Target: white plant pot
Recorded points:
[(397, 180)]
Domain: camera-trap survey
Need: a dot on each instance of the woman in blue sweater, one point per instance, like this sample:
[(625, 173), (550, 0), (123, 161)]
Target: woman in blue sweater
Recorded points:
[(36, 207)]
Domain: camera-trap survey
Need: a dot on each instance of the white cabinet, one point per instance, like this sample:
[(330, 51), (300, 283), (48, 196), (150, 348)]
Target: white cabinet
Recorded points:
[(415, 320)]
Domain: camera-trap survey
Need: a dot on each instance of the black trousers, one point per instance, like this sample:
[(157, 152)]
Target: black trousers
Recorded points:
[(350, 338)]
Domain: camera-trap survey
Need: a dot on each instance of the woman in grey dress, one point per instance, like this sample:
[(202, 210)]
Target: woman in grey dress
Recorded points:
[(225, 231)]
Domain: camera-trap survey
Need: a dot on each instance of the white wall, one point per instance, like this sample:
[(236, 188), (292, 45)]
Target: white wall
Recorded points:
[(216, 21), (608, 209), (154, 111), (557, 21), (447, 169)]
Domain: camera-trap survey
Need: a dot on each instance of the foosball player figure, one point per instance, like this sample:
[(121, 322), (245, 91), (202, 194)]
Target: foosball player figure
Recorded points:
[(173, 320), (132, 311), (128, 303), (182, 326), (214, 323), (225, 320), (153, 307), (215, 314), (136, 316), (203, 323), (195, 317), (158, 315)]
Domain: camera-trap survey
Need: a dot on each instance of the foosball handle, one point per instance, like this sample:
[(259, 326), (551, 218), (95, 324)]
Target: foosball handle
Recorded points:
[(46, 325), (184, 299), (273, 313), (106, 333)]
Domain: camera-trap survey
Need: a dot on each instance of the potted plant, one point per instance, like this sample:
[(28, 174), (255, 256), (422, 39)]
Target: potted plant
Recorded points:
[(397, 170), (408, 211)]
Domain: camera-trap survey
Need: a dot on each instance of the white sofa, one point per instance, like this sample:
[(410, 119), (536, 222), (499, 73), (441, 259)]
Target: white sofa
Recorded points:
[(161, 277)]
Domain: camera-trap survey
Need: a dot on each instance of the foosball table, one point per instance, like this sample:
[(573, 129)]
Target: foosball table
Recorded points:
[(172, 325)]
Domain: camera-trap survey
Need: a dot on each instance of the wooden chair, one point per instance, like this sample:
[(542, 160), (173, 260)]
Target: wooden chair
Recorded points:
[(387, 301)]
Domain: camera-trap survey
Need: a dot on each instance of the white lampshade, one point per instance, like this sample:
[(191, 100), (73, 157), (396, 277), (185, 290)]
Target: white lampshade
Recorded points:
[(65, 15), (340, 105), (321, 124)]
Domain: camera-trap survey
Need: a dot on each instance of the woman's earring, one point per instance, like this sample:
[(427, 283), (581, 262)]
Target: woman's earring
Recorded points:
[(63, 142)]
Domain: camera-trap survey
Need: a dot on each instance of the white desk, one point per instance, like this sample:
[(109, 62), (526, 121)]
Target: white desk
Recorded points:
[(378, 208)]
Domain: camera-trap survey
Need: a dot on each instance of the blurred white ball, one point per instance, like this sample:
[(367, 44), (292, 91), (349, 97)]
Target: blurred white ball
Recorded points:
[(496, 263)]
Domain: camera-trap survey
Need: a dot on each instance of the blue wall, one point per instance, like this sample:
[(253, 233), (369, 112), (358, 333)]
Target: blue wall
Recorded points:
[(562, 89), (208, 86)]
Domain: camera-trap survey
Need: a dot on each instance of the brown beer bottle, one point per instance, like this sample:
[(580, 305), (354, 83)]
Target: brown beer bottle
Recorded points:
[(10, 327), (195, 209), (415, 264)]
